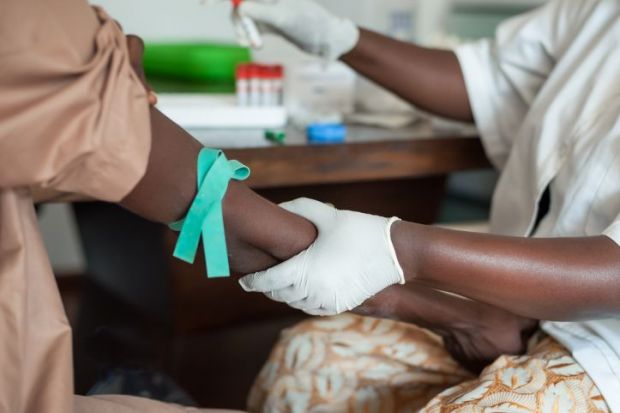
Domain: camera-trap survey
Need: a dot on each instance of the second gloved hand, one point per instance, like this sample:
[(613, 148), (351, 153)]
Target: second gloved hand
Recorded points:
[(351, 260), (307, 24)]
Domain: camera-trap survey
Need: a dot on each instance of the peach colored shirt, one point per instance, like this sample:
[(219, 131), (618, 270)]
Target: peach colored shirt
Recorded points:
[(74, 119)]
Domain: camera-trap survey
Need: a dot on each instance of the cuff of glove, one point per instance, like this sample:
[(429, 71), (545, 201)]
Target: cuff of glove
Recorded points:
[(343, 37), (399, 269)]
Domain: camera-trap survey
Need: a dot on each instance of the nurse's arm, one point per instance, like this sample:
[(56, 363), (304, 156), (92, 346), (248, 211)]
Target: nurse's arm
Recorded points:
[(474, 333), (563, 279), (259, 233), (431, 79)]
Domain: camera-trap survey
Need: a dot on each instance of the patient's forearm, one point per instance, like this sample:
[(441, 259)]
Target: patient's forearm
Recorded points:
[(259, 233), (545, 279)]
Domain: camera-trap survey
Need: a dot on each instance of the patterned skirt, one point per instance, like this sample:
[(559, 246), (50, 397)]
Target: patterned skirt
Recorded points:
[(351, 364)]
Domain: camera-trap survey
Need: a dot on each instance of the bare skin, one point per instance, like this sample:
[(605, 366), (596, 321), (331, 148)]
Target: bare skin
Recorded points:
[(556, 279), (431, 79), (486, 268), (474, 333), (259, 233), (560, 279)]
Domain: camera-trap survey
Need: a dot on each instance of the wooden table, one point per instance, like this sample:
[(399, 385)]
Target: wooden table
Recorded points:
[(388, 172), (350, 163)]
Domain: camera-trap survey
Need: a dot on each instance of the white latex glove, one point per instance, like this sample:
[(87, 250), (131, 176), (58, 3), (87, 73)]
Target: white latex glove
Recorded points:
[(305, 23), (351, 260)]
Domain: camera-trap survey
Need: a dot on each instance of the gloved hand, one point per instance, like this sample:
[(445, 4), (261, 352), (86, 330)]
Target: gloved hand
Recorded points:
[(351, 260), (305, 23)]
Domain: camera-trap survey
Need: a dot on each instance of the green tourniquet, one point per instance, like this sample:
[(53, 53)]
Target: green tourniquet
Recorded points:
[(205, 216)]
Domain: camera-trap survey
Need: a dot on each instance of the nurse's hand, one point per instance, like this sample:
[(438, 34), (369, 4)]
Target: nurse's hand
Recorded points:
[(351, 260), (307, 24)]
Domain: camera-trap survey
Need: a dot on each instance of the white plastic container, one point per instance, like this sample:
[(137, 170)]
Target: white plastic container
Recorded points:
[(317, 91), (243, 85), (197, 111), (395, 18), (256, 87)]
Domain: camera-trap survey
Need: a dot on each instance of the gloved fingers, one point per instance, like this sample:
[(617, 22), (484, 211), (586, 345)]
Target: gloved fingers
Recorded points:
[(288, 295), (276, 278), (320, 312), (265, 281), (298, 305), (260, 1), (320, 214), (305, 303), (214, 2), (265, 28), (262, 11)]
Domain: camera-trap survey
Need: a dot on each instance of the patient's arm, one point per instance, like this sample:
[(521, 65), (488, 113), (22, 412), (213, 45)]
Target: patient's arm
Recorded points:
[(259, 233)]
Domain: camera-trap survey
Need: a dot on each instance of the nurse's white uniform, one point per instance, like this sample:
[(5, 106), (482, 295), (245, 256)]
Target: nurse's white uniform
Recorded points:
[(546, 97)]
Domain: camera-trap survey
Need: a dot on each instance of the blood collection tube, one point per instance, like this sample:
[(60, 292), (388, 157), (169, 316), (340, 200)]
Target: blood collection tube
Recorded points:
[(243, 84), (278, 85), (255, 84), (266, 83)]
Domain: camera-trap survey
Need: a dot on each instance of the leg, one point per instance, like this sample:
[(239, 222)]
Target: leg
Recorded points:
[(546, 379), (351, 363)]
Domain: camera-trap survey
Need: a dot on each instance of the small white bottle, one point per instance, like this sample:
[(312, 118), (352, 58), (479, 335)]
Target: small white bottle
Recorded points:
[(278, 85), (255, 85), (266, 87), (243, 85)]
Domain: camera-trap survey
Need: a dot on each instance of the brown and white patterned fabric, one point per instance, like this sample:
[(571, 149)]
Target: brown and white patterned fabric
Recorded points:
[(354, 364)]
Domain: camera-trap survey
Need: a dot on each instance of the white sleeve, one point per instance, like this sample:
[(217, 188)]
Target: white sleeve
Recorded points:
[(613, 231), (503, 75)]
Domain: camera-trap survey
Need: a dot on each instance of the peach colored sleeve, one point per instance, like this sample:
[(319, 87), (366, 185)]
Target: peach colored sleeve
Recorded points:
[(74, 117)]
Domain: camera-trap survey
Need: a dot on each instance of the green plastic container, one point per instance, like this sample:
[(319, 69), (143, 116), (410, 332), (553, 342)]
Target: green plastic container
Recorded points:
[(199, 67)]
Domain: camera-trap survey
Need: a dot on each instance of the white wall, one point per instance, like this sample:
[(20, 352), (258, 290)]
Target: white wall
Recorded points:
[(174, 20), (171, 19), (192, 20)]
